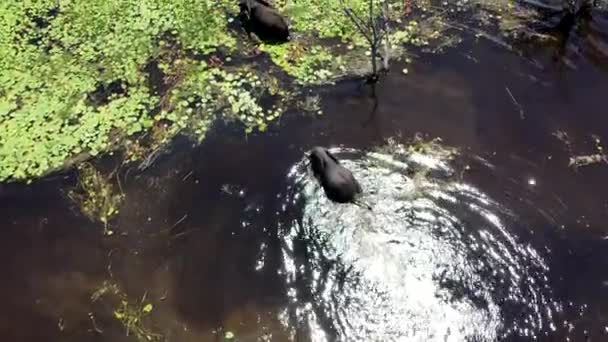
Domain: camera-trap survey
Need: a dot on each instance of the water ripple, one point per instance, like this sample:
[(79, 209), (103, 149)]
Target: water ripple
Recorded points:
[(434, 261)]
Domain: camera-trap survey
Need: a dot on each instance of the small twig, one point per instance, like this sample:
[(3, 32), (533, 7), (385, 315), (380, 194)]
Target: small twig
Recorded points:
[(109, 268), (187, 176), (372, 22), (183, 233), (385, 35), (178, 222), (119, 185), (519, 107), (150, 159), (467, 56), (359, 23), (127, 173), (95, 327), (356, 20)]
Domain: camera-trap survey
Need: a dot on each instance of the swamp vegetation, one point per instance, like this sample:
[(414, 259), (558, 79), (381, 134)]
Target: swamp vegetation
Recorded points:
[(83, 78)]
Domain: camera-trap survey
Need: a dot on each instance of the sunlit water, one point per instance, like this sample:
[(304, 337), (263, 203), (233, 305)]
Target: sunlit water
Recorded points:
[(434, 261)]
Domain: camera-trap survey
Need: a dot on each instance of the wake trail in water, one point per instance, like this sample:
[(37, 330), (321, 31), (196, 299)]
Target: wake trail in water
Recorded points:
[(434, 261)]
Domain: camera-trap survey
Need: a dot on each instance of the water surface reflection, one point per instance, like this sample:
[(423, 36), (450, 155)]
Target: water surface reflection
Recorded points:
[(434, 261)]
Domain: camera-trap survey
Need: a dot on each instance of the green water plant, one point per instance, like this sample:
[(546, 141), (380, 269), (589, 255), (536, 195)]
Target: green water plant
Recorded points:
[(433, 147), (311, 64), (323, 18), (80, 78), (133, 316), (72, 77), (232, 94), (97, 197)]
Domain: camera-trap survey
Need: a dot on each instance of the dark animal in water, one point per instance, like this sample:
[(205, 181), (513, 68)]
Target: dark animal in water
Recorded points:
[(259, 17), (338, 183)]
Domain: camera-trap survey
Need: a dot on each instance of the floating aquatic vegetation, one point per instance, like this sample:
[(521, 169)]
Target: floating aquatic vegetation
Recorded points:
[(57, 61), (311, 103), (585, 160), (427, 153), (420, 145), (409, 34), (97, 197), (105, 289), (509, 16), (131, 315), (235, 95), (75, 79), (307, 64), (432, 147), (575, 161), (324, 18), (579, 161)]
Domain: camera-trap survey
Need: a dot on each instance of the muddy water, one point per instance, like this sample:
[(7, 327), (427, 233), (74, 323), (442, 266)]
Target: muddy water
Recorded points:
[(504, 242)]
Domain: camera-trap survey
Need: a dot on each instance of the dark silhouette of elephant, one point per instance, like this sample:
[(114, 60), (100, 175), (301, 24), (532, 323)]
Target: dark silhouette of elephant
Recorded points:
[(338, 183), (259, 17)]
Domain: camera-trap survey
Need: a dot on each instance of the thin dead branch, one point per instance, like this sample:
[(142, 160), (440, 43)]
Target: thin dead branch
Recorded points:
[(375, 29)]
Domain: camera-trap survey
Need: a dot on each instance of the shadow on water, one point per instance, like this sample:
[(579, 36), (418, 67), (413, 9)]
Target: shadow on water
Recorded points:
[(505, 242)]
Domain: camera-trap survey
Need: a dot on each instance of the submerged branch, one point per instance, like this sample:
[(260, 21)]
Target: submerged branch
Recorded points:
[(519, 107)]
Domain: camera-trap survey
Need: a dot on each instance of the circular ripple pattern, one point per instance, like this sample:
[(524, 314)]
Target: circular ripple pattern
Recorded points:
[(434, 260)]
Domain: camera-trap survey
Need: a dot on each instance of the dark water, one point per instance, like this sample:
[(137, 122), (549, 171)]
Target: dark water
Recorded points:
[(503, 243)]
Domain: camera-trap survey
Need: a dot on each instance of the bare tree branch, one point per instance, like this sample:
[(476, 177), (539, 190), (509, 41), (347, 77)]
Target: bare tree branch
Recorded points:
[(371, 20), (360, 25), (375, 29), (356, 20), (385, 34)]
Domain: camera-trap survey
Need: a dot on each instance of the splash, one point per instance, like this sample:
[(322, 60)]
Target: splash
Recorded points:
[(434, 261)]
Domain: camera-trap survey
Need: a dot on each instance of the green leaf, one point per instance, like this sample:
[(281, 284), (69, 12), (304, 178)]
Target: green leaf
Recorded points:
[(147, 308)]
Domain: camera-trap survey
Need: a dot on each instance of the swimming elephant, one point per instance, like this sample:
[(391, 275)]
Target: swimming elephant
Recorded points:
[(259, 17), (338, 183)]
